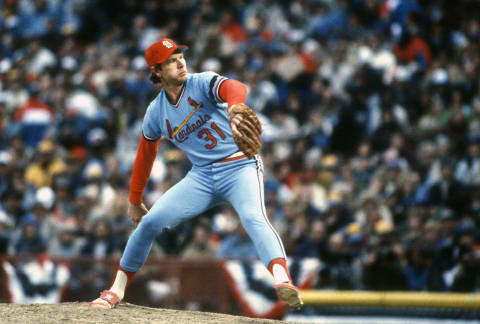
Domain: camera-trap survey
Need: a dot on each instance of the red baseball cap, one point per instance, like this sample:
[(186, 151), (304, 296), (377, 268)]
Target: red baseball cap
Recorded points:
[(160, 51)]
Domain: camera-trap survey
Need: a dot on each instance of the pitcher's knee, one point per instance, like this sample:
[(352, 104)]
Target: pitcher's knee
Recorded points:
[(150, 227), (254, 220)]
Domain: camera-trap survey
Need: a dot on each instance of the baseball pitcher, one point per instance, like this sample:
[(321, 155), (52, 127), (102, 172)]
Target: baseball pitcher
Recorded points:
[(204, 115)]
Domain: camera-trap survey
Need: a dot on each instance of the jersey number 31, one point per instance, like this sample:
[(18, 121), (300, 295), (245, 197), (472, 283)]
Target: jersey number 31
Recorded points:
[(207, 135)]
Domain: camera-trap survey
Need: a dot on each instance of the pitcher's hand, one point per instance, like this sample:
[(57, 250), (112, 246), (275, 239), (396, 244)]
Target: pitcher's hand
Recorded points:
[(136, 212)]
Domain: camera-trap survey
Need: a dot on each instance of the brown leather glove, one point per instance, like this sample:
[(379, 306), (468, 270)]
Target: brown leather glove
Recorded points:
[(246, 129)]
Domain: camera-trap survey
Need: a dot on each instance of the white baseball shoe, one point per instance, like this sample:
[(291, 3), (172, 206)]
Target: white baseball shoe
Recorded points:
[(107, 300)]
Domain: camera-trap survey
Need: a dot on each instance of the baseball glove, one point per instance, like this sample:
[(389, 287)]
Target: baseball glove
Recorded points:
[(246, 130)]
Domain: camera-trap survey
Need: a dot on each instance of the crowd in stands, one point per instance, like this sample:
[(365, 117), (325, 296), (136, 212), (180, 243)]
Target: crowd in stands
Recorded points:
[(371, 143)]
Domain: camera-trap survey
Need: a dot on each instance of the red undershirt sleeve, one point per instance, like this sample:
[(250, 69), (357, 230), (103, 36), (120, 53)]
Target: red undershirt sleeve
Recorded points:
[(233, 92), (146, 153)]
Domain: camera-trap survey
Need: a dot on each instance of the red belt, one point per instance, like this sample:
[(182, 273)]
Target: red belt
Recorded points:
[(232, 158)]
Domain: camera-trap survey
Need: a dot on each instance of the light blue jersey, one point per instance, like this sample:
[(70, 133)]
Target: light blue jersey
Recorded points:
[(205, 135)]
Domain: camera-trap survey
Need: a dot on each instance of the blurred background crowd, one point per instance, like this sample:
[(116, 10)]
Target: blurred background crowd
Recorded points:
[(371, 143)]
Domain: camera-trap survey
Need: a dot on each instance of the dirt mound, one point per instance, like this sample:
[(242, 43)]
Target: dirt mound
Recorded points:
[(124, 313)]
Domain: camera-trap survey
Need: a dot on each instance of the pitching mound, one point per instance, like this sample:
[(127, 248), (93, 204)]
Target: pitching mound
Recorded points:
[(124, 313)]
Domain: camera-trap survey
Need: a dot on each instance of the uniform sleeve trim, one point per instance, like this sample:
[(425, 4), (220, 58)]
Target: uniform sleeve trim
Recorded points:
[(150, 139), (210, 91), (217, 89)]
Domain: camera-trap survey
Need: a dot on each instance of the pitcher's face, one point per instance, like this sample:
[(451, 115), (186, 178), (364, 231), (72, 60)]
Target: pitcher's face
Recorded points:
[(173, 70)]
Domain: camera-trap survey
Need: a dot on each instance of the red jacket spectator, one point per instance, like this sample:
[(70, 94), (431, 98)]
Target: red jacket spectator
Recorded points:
[(34, 117), (412, 49)]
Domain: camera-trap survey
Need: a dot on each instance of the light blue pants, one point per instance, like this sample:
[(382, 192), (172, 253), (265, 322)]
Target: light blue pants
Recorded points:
[(239, 182)]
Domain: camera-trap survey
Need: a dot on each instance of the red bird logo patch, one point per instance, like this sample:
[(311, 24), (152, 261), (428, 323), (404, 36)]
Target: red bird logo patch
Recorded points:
[(192, 102)]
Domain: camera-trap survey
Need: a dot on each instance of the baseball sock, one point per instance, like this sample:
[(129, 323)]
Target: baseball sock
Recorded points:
[(121, 282), (278, 268)]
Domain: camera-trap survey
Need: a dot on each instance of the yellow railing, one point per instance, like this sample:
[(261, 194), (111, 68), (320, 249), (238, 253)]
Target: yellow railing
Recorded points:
[(391, 299)]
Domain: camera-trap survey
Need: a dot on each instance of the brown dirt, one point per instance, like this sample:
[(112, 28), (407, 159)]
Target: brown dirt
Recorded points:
[(125, 313)]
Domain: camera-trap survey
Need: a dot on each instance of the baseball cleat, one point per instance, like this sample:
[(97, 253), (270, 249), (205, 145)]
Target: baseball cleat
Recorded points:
[(289, 294), (107, 300)]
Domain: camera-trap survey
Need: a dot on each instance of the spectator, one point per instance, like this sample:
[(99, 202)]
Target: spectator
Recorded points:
[(338, 214), (447, 224), (419, 267), (63, 208), (12, 206), (65, 244), (99, 243), (120, 222), (301, 245), (5, 225), (383, 271), (465, 273), (381, 137), (41, 172), (201, 246), (413, 49), (20, 154), (30, 240), (315, 243), (4, 170), (237, 245), (41, 212), (339, 271), (468, 169), (444, 150), (35, 117), (448, 192), (371, 211)]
